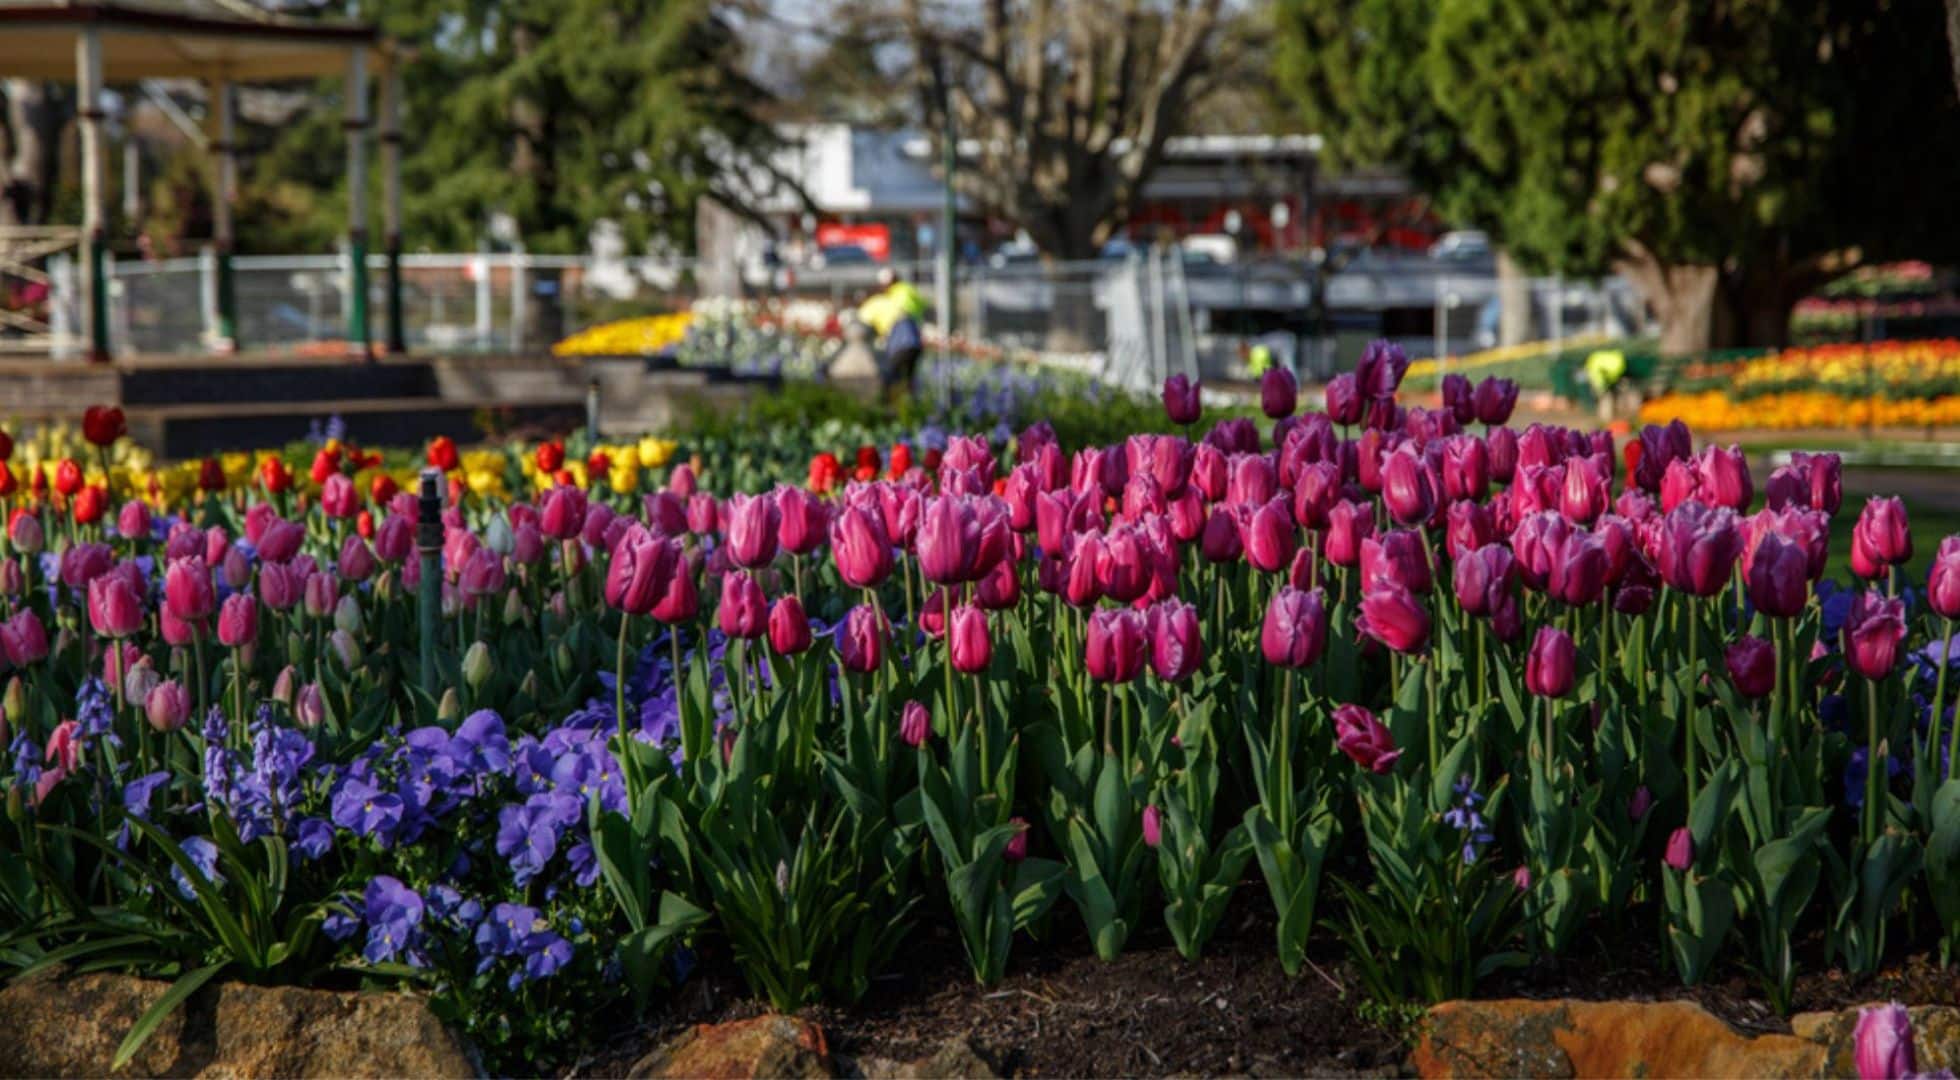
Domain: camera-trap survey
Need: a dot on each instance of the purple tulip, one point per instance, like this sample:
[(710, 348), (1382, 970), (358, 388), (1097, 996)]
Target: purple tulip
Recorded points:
[(1279, 392), (238, 621), (1752, 666), (1343, 397), (1181, 400), (1380, 370), (1458, 398), (1269, 537), (1698, 548), (1467, 527), (1578, 569), (1641, 801), (23, 638), (861, 639), (1483, 579), (743, 611), (1221, 542), (1778, 577), (1882, 1043), (1494, 399), (1017, 847)]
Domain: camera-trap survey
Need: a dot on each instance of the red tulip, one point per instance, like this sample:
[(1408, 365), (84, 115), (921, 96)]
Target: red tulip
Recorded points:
[(103, 424), (442, 453)]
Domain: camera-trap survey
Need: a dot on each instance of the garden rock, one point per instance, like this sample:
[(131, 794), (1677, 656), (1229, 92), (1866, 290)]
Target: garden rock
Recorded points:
[(1577, 1038), (764, 1046), (1935, 1037), (72, 1026), (955, 1059)]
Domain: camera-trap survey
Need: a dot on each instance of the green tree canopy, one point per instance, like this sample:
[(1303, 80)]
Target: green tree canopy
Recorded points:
[(1729, 157), (558, 113)]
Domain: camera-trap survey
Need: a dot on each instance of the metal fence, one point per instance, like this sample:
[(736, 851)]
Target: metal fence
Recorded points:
[(1132, 320)]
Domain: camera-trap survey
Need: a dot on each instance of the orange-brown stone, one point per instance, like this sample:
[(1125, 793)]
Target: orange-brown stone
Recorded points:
[(774, 1046), (1601, 1039)]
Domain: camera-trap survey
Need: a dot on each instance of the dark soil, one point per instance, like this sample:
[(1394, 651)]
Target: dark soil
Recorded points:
[(1062, 1012)]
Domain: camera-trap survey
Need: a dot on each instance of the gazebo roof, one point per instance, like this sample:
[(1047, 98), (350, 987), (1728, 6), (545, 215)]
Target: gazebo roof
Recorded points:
[(174, 39)]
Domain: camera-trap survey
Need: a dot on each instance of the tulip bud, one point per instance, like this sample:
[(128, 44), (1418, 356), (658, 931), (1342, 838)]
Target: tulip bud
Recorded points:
[(559, 606), (347, 648), (26, 534), (1153, 826), (14, 702), (561, 658), (12, 581), (1365, 739), (1639, 803), (284, 685), (1017, 848), (1680, 850), (237, 570), (310, 709), (914, 725), (1752, 666), (1882, 1043), (1549, 667), (515, 610), (450, 708), (478, 666)]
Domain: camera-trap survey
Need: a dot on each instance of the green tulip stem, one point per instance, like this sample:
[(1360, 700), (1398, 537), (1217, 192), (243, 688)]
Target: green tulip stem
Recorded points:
[(619, 712), (1874, 797), (1939, 704), (1688, 701)]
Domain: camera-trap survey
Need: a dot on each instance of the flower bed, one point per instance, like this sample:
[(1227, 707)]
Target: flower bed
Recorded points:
[(1897, 384), (527, 735)]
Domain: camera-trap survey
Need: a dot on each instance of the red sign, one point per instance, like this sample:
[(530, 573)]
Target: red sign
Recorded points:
[(876, 240)]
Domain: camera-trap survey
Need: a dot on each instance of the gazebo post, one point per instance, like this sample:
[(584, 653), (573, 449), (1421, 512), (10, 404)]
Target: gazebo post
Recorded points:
[(95, 229), (391, 192), (357, 203), (225, 146)]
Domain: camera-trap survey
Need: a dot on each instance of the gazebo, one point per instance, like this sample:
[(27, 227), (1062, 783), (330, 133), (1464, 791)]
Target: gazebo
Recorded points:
[(223, 43)]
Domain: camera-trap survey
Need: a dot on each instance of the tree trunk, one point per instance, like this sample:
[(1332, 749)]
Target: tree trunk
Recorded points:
[(1683, 298), (1953, 39), (1514, 300)]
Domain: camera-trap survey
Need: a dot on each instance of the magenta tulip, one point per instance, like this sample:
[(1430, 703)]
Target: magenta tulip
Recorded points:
[(743, 611), (914, 725), (1116, 646), (1122, 564), (1176, 649), (23, 638), (803, 518), (483, 574), (1343, 397), (1698, 548), (1881, 1043), (1680, 850), (1397, 556), (1578, 570), (1253, 480), (133, 520), (1943, 581), (753, 524), (1883, 532), (1467, 527), (562, 513), (1873, 633), (860, 547), (1393, 616), (1503, 446), (1365, 739), (681, 600), (238, 621), (280, 541), (187, 590), (1348, 524), (789, 627), (1466, 468), (1315, 491), (642, 568), (280, 587), (1294, 633), (1408, 490), (972, 645), (1221, 541), (1494, 399), (115, 607), (1549, 666), (1268, 536), (1483, 579), (1778, 577), (861, 639)]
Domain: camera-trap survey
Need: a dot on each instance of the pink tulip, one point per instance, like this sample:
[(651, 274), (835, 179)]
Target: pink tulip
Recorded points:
[(483, 574), (1365, 739), (681, 481), (1882, 1043), (24, 531), (681, 600), (1943, 580), (1393, 616), (238, 621), (1698, 548), (1549, 667), (1680, 850), (1397, 556), (1153, 827), (743, 611), (641, 571), (973, 647), (133, 520), (914, 725), (861, 549), (804, 519), (321, 592), (753, 523), (114, 607), (1483, 579), (280, 541), (338, 497), (861, 639), (561, 513), (1017, 847), (1116, 645), (1408, 490), (64, 747), (1725, 478), (187, 591), (789, 627), (168, 706), (1294, 633), (1873, 633)]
